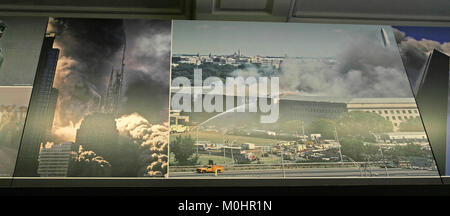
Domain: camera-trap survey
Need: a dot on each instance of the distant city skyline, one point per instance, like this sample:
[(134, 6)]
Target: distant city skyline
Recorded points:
[(227, 54), (268, 39)]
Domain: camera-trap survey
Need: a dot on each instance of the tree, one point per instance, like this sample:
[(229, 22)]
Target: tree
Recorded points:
[(323, 126), (208, 70), (183, 147), (355, 148), (362, 124), (411, 125), (410, 150)]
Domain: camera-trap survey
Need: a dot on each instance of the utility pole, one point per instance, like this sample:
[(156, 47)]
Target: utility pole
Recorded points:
[(339, 143), (197, 141), (231, 148), (303, 129), (271, 153), (282, 161), (384, 160), (223, 141)]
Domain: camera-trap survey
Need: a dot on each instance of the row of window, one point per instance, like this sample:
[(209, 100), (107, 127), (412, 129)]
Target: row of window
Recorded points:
[(401, 118), (408, 111)]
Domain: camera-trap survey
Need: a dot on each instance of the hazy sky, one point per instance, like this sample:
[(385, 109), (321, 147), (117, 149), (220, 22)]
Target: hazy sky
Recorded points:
[(268, 39)]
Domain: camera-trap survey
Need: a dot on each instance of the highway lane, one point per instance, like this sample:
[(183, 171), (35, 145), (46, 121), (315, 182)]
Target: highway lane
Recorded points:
[(310, 172)]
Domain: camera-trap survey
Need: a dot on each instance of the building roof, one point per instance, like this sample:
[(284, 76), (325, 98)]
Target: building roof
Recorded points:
[(325, 99), (294, 97), (382, 100)]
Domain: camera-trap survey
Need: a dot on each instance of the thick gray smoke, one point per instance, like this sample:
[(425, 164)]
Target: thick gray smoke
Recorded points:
[(89, 49), (363, 68), (415, 53), (147, 72)]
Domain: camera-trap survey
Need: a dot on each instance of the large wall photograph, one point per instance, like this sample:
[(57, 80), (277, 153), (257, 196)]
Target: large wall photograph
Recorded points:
[(344, 103), (100, 103)]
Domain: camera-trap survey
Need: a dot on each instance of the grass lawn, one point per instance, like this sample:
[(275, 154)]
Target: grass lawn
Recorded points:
[(271, 159), (219, 160), (204, 159)]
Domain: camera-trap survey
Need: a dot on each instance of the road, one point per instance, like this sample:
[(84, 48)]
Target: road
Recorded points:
[(308, 172)]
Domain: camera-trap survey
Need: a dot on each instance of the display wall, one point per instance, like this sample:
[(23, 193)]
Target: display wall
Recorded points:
[(216, 100)]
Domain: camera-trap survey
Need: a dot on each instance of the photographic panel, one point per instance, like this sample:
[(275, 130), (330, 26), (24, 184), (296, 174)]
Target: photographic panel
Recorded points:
[(292, 100), (100, 103)]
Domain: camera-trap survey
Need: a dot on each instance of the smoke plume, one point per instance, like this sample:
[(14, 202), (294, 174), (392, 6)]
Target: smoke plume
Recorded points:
[(89, 49), (152, 139), (363, 68), (414, 53), (147, 74)]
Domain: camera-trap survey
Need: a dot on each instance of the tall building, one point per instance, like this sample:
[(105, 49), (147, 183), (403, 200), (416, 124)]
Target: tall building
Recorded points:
[(396, 110), (41, 110), (310, 108), (54, 161), (113, 92)]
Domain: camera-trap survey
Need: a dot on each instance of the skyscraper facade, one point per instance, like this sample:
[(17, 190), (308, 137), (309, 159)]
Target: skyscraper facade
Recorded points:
[(41, 110)]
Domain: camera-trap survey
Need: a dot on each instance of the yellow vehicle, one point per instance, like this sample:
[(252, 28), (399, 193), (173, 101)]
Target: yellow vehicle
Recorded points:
[(211, 169)]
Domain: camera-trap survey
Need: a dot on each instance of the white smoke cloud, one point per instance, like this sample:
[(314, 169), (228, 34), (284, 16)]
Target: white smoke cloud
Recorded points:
[(152, 138)]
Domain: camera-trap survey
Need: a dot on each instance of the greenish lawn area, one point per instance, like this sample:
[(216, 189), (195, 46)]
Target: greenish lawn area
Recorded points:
[(204, 159), (216, 137), (271, 159), (219, 160)]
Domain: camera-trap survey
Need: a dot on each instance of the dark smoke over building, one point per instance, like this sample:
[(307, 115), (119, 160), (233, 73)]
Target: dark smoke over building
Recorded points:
[(90, 48), (147, 73), (415, 53), (108, 69)]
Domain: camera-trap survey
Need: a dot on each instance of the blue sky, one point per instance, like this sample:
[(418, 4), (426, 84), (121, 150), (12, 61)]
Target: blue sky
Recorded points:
[(268, 39), (440, 34)]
